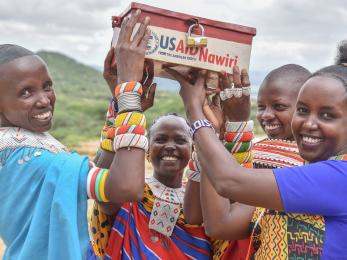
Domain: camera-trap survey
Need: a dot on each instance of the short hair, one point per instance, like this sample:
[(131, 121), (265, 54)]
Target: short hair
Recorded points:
[(341, 55), (295, 74), (164, 116), (9, 52)]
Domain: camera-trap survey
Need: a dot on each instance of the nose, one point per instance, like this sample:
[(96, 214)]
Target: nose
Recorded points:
[(43, 99), (267, 114), (170, 146), (310, 123)]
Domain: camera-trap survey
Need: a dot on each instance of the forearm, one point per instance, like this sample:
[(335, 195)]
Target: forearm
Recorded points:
[(230, 180), (192, 206)]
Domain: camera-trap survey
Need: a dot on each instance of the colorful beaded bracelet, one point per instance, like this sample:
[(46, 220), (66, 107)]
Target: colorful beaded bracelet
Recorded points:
[(132, 86), (238, 147), (130, 118), (107, 144), (242, 126), (130, 140), (238, 137), (244, 157), (96, 184), (130, 129)]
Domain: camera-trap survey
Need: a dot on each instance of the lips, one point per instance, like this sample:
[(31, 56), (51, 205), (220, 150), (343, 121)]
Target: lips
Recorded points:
[(169, 158), (311, 140)]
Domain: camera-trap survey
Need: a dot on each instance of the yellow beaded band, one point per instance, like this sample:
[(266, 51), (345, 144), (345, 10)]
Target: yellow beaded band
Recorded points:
[(130, 118), (107, 144), (244, 157)]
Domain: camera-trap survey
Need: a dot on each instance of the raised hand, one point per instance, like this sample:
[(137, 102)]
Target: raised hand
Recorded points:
[(131, 53), (236, 108)]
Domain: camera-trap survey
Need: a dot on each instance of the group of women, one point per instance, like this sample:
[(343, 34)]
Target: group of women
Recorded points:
[(281, 198)]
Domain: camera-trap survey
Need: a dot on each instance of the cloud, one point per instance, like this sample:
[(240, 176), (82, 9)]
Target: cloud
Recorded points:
[(303, 32)]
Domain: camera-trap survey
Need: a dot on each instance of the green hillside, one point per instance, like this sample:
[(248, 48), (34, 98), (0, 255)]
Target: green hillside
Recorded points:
[(82, 98)]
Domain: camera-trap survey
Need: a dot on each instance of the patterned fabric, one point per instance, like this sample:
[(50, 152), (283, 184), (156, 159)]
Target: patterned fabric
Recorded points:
[(131, 237), (287, 236), (275, 154), (277, 235)]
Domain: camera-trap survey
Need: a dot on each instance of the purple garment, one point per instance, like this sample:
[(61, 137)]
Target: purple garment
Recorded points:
[(319, 189)]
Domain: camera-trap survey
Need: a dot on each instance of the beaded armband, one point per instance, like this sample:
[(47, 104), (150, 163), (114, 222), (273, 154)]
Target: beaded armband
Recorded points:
[(130, 140), (130, 118), (128, 96), (96, 184), (194, 168)]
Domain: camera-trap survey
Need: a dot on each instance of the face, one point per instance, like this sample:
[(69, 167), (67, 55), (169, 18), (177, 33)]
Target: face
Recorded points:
[(319, 123), (275, 108), (27, 95), (170, 146)]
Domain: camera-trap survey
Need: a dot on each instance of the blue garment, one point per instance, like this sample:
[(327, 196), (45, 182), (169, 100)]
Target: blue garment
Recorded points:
[(43, 205), (320, 189)]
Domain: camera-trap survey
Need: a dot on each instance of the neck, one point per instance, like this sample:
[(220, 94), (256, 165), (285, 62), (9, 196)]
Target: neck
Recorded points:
[(169, 181)]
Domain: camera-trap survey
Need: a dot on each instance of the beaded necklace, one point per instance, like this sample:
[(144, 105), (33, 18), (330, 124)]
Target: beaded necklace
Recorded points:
[(13, 137), (166, 207)]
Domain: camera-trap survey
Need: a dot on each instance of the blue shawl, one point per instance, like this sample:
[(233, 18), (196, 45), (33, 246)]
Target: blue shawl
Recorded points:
[(43, 204)]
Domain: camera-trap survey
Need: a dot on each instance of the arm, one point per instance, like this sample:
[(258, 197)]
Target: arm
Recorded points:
[(191, 205), (223, 220), (248, 186)]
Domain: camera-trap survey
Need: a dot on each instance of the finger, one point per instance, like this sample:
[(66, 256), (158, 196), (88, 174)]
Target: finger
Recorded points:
[(245, 78), (200, 81), (237, 77), (129, 27), (140, 32), (224, 80), (151, 92), (144, 40), (123, 29), (176, 75), (216, 101)]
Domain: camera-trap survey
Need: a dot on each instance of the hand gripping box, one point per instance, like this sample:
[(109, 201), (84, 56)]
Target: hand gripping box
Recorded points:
[(218, 45)]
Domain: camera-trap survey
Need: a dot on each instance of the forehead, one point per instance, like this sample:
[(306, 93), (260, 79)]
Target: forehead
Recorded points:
[(325, 91), (277, 89), (22, 70), (170, 125)]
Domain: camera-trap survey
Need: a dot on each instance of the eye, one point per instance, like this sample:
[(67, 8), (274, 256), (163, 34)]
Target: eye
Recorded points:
[(160, 140), (326, 116), (181, 141), (280, 107), (25, 92), (48, 86), (301, 110), (260, 107)]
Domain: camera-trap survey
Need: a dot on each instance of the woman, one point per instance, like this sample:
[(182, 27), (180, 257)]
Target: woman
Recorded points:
[(319, 129), (155, 228), (46, 186)]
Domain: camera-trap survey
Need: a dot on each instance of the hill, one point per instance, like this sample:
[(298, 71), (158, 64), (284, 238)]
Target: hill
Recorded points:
[(82, 99)]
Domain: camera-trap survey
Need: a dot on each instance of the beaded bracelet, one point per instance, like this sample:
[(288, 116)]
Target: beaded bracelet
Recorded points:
[(238, 137), (130, 118), (238, 147), (244, 157), (107, 144), (130, 140), (132, 86), (130, 101), (243, 126), (130, 129), (192, 175), (96, 184)]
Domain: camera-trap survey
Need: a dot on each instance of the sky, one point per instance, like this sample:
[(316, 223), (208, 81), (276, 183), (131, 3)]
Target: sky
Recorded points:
[(304, 32)]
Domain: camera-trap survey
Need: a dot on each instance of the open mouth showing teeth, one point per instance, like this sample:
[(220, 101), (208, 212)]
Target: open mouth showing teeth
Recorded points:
[(271, 127), (169, 158), (311, 140), (43, 116)]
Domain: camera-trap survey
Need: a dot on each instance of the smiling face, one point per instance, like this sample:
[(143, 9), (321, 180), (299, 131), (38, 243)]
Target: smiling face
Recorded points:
[(170, 147), (27, 96), (275, 108), (319, 123)]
